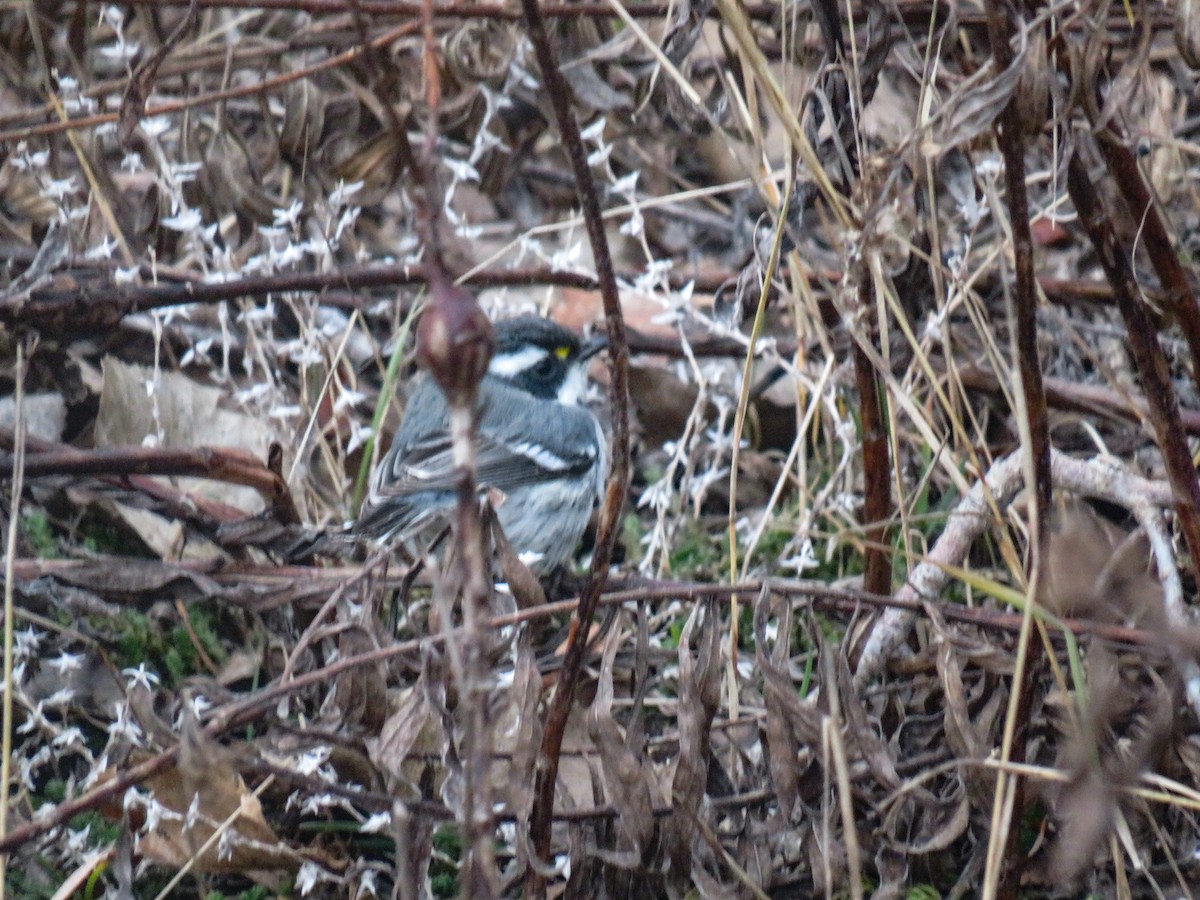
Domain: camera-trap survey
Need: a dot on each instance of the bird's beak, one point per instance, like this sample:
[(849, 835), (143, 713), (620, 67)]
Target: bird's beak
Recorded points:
[(593, 345)]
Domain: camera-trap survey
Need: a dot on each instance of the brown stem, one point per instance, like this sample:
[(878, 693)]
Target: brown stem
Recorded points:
[(1148, 356), (877, 489), (81, 309), (618, 479), (1012, 146), (1178, 297), (217, 463)]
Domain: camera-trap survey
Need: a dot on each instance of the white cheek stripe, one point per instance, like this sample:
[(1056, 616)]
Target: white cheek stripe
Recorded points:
[(571, 392), (509, 365)]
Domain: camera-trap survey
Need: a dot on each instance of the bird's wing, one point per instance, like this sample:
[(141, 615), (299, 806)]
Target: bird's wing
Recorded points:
[(503, 462), (506, 456)]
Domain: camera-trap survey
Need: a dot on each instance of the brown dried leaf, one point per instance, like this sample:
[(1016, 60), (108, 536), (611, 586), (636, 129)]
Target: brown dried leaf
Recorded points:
[(525, 735), (973, 106), (699, 697), (361, 692), (790, 721), (303, 120), (522, 583), (942, 825), (141, 81), (198, 796), (1032, 96), (232, 181), (179, 413), (960, 733), (412, 724), (861, 731), (628, 784)]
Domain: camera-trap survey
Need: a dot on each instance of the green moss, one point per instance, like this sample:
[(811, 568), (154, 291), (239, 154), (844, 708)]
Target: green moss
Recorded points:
[(172, 654), (258, 892), (36, 530), (443, 868), (699, 555), (632, 532)]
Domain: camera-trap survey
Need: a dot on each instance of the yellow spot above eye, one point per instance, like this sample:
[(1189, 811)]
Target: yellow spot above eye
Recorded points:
[(562, 352)]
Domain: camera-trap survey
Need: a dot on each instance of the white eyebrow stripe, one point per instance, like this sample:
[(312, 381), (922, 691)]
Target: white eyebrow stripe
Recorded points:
[(509, 365)]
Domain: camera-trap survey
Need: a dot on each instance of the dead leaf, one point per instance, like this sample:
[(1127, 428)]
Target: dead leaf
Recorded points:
[(627, 782), (411, 725), (195, 800), (361, 692), (699, 698), (170, 409)]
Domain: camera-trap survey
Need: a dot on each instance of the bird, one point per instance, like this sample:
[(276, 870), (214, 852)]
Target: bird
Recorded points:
[(536, 443)]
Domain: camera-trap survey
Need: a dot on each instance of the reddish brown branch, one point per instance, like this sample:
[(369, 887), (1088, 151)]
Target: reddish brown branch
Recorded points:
[(217, 463), (1178, 297), (876, 459), (1009, 136), (81, 309), (1148, 356), (618, 478), (1069, 395)]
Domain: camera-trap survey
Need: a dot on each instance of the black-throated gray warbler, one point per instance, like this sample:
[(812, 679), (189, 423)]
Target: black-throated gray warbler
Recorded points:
[(536, 443)]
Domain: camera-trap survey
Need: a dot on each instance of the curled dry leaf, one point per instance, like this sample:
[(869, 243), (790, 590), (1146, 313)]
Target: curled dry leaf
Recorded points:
[(303, 120), (1032, 96), (699, 697), (361, 692), (525, 733), (973, 106), (791, 722), (628, 785), (522, 583), (410, 726), (198, 797), (232, 180), (1187, 31)]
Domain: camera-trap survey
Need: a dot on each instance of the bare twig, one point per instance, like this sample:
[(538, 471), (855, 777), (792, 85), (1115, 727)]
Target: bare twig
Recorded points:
[(1178, 297), (618, 479), (1147, 354), (1034, 429), (14, 524)]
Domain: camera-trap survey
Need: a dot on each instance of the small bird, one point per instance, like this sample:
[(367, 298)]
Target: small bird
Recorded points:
[(536, 443)]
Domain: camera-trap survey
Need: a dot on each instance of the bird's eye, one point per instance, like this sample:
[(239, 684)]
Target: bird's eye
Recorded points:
[(545, 367)]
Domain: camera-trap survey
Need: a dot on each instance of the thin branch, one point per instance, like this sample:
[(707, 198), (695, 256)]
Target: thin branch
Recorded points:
[(14, 525), (1031, 414), (1147, 353), (618, 479), (1178, 297)]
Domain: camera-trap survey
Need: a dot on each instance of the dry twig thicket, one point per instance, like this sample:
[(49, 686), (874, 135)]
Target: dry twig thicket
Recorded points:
[(891, 592)]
